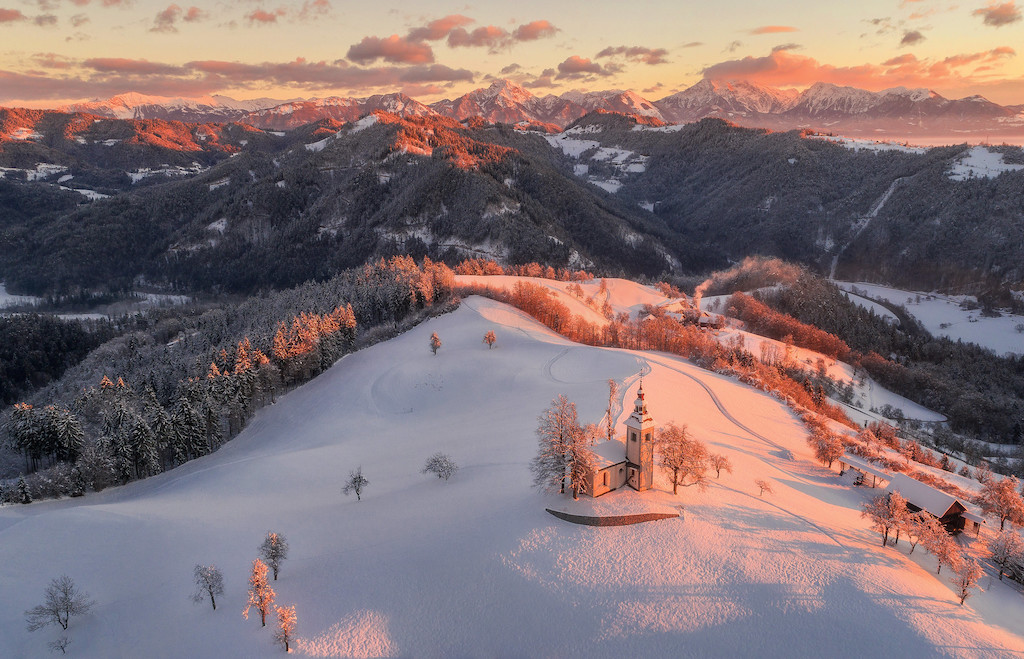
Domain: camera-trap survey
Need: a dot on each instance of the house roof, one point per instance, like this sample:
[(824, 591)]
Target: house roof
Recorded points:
[(608, 453), (863, 466), (923, 496)]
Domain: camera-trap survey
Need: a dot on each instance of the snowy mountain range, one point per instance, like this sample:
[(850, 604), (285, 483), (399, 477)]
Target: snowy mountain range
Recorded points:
[(822, 106)]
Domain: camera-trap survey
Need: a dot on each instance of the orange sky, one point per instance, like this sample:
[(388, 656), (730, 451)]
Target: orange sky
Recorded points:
[(56, 50)]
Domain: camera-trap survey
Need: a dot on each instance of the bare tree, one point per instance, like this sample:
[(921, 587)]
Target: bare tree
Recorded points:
[(944, 549), (765, 486), (720, 463), (684, 457), (261, 595), (209, 583), (435, 343), (920, 525), (285, 625), (966, 578), (581, 460), (60, 643), (440, 464), (1007, 550), (613, 388), (355, 483), (61, 601), (999, 496), (490, 339), (274, 550)]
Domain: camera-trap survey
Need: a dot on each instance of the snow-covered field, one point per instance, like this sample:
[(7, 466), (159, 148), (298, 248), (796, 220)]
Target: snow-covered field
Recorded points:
[(942, 316), (10, 300), (979, 162), (474, 566)]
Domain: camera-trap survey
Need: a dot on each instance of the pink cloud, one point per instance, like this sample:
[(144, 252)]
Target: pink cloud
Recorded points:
[(785, 68), (11, 16), (263, 17), (575, 67), (534, 30), (773, 29), (438, 29), (998, 15), (636, 54), (488, 36), (395, 49)]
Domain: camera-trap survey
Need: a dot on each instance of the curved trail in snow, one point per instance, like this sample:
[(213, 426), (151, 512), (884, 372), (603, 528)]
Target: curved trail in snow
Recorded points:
[(736, 422)]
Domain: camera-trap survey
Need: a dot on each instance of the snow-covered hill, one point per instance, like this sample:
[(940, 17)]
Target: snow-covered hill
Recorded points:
[(474, 566)]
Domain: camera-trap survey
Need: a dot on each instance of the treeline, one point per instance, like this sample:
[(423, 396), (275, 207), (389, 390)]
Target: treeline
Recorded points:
[(762, 319), (36, 349), (981, 393), (159, 404)]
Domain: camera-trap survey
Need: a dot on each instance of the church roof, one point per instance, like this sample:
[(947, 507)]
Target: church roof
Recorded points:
[(608, 453)]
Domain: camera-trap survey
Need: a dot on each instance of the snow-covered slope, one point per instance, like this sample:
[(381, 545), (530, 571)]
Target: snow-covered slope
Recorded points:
[(475, 567)]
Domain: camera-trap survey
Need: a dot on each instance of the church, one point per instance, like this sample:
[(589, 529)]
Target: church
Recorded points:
[(634, 466)]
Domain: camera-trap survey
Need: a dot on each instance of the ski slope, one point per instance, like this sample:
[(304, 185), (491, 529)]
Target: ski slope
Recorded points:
[(474, 566)]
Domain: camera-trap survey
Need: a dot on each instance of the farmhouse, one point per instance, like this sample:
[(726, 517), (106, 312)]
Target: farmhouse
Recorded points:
[(949, 510), (633, 465)]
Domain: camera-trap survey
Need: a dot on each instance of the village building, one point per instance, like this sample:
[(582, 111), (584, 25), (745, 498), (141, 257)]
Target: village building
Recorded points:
[(616, 465), (950, 511), (867, 473)]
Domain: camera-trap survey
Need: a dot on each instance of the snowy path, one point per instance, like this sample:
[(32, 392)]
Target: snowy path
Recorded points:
[(863, 223)]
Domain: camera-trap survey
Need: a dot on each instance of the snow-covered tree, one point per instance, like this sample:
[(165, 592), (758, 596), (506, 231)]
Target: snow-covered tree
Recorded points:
[(285, 625), (209, 583), (440, 464), (490, 339), (945, 550), (23, 495), (966, 578), (920, 525), (562, 450), (274, 550), (720, 463), (764, 486), (60, 643), (261, 595), (435, 342), (684, 457), (581, 461), (62, 600), (1007, 550), (356, 483), (1000, 497), (827, 446), (886, 513)]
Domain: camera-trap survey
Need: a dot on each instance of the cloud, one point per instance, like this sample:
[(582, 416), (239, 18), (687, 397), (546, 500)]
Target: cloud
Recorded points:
[(438, 29), (784, 68), (911, 38), (786, 46), (545, 79), (52, 61), (636, 54), (773, 29), (692, 44), (166, 20), (998, 15), (734, 46), (511, 68), (534, 30), (489, 36), (395, 49), (263, 17), (576, 67), (45, 20), (312, 9), (79, 20), (109, 76), (11, 16), (656, 87)]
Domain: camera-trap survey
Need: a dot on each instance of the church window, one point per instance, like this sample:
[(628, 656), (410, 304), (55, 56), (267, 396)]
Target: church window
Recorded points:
[(605, 479), (632, 436), (647, 437)]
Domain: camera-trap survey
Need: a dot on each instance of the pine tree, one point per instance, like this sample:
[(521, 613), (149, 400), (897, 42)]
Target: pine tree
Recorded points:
[(261, 595), (274, 550), (24, 496)]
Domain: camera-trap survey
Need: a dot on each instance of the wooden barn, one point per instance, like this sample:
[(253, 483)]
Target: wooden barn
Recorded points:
[(867, 473), (949, 510)]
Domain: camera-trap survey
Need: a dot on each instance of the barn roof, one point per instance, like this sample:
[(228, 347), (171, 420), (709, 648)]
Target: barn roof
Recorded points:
[(863, 466), (608, 453), (923, 496)]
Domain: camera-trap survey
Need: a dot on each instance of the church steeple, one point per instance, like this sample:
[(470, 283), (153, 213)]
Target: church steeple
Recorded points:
[(640, 444)]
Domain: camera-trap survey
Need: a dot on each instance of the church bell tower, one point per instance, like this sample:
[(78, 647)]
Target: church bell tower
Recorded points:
[(640, 445)]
